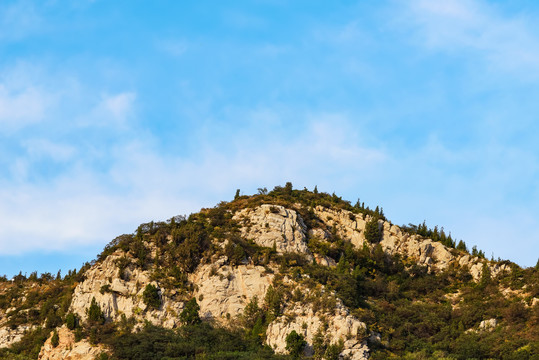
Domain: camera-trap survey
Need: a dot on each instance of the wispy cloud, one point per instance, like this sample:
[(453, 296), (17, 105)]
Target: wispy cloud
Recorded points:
[(477, 29), (23, 107), (142, 184)]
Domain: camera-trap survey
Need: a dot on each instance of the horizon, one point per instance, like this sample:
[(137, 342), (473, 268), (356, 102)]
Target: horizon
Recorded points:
[(116, 114)]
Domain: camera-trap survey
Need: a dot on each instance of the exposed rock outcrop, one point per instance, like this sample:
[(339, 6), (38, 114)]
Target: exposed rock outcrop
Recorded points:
[(10, 336), (117, 296), (68, 349), (274, 225), (223, 290), (305, 321), (424, 251)]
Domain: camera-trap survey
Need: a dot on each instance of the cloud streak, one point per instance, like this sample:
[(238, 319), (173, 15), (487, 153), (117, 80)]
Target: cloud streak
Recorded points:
[(472, 28)]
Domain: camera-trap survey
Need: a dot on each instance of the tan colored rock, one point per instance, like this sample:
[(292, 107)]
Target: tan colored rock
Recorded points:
[(68, 349), (10, 336), (122, 297), (304, 321), (347, 225), (324, 260), (269, 225), (223, 291)]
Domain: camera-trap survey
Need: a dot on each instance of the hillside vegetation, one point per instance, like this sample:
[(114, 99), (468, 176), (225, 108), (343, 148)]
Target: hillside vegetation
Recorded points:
[(283, 274)]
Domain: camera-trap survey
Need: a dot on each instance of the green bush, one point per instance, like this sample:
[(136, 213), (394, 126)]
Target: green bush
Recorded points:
[(189, 315), (151, 297), (373, 233), (95, 314), (55, 340), (295, 343)]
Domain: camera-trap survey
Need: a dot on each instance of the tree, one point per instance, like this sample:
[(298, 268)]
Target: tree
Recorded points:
[(273, 302), (71, 321), (373, 233), (237, 194), (151, 297), (462, 246), (55, 340), (315, 189), (94, 313), (288, 188), (189, 315), (295, 344), (485, 276)]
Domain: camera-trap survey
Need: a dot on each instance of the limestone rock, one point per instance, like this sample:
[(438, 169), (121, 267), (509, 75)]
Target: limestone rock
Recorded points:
[(488, 325), (269, 225), (304, 321), (347, 225), (117, 297), (223, 291), (10, 336), (432, 254), (68, 349)]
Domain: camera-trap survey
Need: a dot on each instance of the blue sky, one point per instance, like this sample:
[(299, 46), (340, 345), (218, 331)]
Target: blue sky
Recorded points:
[(114, 113)]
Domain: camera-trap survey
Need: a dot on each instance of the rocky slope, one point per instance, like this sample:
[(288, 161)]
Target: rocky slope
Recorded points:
[(250, 254)]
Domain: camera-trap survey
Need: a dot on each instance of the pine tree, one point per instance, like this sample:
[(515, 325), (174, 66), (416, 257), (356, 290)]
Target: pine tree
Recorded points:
[(189, 315), (373, 233), (55, 339), (237, 194)]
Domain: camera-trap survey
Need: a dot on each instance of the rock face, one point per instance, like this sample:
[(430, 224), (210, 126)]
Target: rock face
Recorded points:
[(347, 225), (118, 297), (269, 225), (10, 336), (427, 252), (306, 322), (68, 349), (223, 291)]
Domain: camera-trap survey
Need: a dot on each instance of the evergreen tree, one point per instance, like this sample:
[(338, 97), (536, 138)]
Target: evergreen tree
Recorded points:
[(55, 340), (288, 188), (237, 194), (94, 313), (294, 344), (189, 315), (150, 296), (373, 233), (315, 189), (462, 246)]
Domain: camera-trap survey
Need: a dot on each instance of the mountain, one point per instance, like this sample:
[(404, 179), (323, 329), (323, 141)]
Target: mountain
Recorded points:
[(285, 274)]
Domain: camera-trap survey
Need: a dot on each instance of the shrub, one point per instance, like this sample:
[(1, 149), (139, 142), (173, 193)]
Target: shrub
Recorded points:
[(55, 340), (295, 344), (189, 315), (151, 297), (71, 321), (373, 233), (94, 313)]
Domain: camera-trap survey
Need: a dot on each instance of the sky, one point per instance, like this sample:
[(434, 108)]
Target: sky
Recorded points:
[(115, 113)]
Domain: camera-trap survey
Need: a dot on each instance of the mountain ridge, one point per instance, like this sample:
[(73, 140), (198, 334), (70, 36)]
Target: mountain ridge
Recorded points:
[(278, 266)]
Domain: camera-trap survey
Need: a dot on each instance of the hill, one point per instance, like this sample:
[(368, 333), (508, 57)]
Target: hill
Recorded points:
[(284, 274)]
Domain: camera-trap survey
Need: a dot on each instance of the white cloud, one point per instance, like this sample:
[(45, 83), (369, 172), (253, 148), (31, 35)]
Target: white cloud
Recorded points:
[(111, 110), (509, 43), (44, 148), (23, 107), (83, 206)]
